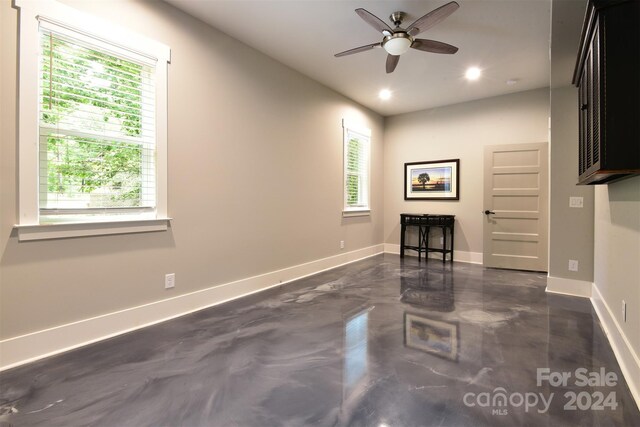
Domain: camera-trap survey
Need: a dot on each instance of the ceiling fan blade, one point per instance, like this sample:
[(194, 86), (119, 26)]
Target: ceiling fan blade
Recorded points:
[(392, 62), (432, 18), (374, 21), (358, 49), (433, 46)]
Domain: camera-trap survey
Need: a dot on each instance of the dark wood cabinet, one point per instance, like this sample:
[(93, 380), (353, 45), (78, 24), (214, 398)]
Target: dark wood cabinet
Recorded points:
[(607, 75)]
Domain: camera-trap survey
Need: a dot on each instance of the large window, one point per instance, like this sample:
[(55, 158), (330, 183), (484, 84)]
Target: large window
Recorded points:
[(357, 149), (97, 130), (94, 98)]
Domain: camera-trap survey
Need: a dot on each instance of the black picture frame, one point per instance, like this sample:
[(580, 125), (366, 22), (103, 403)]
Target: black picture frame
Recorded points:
[(432, 180)]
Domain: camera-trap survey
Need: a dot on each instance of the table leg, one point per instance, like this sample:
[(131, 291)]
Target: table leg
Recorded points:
[(403, 228), (420, 240), (426, 243), (444, 244), (451, 243)]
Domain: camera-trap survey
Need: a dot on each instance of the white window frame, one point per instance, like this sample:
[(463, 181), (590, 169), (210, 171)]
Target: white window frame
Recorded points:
[(30, 226), (348, 211)]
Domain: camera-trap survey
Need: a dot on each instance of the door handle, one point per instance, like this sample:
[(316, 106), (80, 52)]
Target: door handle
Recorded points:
[(488, 212)]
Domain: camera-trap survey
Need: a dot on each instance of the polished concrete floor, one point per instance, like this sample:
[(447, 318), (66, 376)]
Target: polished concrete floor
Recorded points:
[(381, 342)]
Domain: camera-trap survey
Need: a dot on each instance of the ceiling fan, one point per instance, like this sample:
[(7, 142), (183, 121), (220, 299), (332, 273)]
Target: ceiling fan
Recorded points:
[(398, 40)]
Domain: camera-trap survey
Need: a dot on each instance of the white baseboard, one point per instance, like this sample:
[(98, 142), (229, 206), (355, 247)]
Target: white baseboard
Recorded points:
[(458, 256), (627, 358), (570, 287), (37, 345)]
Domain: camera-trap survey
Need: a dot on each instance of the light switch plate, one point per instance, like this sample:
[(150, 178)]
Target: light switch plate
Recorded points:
[(573, 265)]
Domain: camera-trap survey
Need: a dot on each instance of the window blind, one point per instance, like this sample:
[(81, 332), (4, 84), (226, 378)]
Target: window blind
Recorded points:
[(356, 169), (96, 127)]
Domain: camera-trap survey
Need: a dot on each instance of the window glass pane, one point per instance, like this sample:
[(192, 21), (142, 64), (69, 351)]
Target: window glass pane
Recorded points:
[(353, 193), (90, 173)]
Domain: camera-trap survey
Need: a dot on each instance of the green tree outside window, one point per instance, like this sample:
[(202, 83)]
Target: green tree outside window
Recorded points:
[(91, 103)]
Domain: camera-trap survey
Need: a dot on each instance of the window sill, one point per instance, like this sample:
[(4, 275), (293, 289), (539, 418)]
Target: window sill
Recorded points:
[(85, 229), (360, 212)]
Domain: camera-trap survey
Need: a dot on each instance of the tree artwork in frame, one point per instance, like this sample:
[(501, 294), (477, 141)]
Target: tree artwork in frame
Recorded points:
[(437, 180)]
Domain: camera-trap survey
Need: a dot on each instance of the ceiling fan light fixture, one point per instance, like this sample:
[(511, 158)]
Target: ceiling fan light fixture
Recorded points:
[(397, 44)]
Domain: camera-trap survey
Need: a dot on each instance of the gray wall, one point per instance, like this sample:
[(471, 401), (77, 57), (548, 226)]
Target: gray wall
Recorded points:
[(570, 229), (617, 252), (457, 132), (255, 181)]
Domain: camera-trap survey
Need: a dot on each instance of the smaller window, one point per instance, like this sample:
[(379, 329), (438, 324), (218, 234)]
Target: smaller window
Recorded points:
[(357, 152)]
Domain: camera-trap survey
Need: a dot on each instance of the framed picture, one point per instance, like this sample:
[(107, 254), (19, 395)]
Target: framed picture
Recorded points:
[(438, 180), (432, 336)]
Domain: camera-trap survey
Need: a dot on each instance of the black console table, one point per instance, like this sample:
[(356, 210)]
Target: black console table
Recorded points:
[(425, 222)]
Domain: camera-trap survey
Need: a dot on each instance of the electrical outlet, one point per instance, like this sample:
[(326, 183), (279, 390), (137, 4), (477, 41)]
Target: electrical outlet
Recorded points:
[(624, 311), (169, 280), (573, 265), (341, 244), (576, 202)]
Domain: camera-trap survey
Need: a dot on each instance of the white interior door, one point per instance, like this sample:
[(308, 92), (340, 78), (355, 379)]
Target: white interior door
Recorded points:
[(516, 192)]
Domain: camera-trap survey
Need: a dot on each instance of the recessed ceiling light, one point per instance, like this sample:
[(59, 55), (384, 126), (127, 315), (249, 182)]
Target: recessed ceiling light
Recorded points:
[(511, 82), (385, 94), (473, 73)]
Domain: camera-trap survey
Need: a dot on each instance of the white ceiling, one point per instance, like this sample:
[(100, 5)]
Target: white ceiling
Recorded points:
[(507, 39)]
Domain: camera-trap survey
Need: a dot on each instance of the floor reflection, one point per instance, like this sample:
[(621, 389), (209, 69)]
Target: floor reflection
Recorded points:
[(355, 371), (432, 336), (429, 289)]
